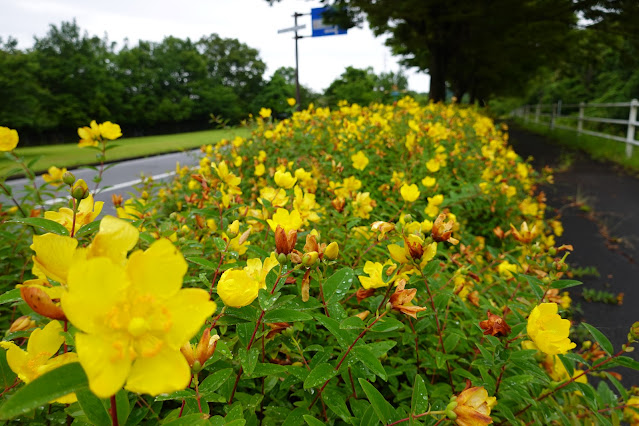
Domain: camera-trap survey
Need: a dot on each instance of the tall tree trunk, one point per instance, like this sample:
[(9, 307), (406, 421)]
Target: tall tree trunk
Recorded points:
[(437, 71)]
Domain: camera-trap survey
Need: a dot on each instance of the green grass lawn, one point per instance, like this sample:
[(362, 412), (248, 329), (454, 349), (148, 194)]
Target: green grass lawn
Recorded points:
[(597, 148), (70, 156)]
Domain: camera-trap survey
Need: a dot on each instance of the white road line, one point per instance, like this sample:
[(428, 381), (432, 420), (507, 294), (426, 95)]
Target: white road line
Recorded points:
[(116, 186)]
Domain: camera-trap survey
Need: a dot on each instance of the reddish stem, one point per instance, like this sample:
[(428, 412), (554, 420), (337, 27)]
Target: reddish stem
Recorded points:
[(114, 412), (439, 333)]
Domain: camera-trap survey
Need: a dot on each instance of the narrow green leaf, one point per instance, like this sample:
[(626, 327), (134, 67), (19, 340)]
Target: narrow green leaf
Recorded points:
[(535, 285), (93, 408), (54, 384), (337, 285), (599, 338), (568, 364), (336, 402), (319, 375), (561, 284), (10, 296), (419, 401), (219, 243), (215, 380), (366, 357), (385, 412), (266, 299), (41, 223), (312, 421), (451, 341), (352, 323), (200, 261), (626, 361), (286, 315), (248, 359), (344, 337), (197, 419), (88, 229)]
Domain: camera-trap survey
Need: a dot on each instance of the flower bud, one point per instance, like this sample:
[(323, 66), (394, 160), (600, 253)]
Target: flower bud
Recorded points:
[(23, 323), (144, 195), (332, 251), (295, 257), (68, 178), (285, 241), (309, 259), (80, 190)]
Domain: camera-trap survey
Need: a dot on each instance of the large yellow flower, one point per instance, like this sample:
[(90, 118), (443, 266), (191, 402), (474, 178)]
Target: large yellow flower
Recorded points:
[(288, 221), (133, 319), (409, 193), (89, 136), (8, 139), (548, 330), (110, 130), (39, 357), (53, 256), (87, 212), (374, 278), (239, 287)]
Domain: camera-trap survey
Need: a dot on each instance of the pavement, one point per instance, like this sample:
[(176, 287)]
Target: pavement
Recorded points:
[(599, 207)]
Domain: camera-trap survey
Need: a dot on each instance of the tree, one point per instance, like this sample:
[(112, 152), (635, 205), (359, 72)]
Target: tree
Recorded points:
[(355, 86)]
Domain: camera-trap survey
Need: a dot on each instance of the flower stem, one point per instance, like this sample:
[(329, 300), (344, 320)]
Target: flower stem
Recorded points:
[(428, 413), (114, 412), (439, 332)]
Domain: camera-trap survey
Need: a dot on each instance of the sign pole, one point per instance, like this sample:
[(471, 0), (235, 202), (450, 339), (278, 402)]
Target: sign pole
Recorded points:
[(297, 67)]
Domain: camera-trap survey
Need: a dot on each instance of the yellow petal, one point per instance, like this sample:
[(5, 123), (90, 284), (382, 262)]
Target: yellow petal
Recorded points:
[(158, 270), (166, 372), (54, 255), (95, 287), (114, 239), (46, 340), (106, 360), (17, 359), (188, 309)]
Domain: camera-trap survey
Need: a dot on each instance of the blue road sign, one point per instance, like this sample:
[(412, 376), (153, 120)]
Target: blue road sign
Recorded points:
[(320, 28)]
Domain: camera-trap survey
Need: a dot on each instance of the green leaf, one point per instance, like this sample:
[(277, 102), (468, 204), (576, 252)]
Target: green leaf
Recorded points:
[(419, 401), (535, 285), (10, 296), (599, 338), (93, 408), (7, 376), (87, 229), (344, 337), (204, 263), (336, 401), (337, 285), (266, 299), (54, 384), (352, 323), (286, 315), (569, 367), (319, 375), (312, 421), (387, 324), (385, 412), (41, 223), (219, 243), (450, 342), (248, 359), (561, 284), (197, 419), (366, 357), (626, 361), (215, 380)]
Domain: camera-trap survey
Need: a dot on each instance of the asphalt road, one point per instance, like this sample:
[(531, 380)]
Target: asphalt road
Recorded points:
[(120, 178)]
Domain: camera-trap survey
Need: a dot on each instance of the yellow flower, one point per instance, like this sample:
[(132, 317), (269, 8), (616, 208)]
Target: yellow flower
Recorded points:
[(239, 287), (8, 139), (432, 165), (222, 170), (429, 181), (53, 256), (89, 136), (409, 193), (259, 170), (360, 161), (548, 330), (288, 221), (284, 179), (39, 357), (129, 210), (110, 130), (363, 204), (413, 249), (54, 175), (506, 268), (473, 407), (265, 112), (133, 319), (632, 414), (291, 101), (557, 370), (87, 212), (374, 278)]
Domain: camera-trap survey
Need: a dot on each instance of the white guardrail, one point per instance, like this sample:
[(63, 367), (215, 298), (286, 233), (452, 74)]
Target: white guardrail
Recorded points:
[(553, 112)]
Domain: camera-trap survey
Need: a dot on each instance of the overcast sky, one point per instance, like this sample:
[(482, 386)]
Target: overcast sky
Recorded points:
[(253, 22)]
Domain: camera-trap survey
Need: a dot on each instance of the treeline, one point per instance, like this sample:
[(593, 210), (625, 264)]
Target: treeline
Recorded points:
[(69, 78)]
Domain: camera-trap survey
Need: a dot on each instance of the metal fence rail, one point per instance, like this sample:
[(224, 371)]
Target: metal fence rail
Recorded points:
[(534, 112)]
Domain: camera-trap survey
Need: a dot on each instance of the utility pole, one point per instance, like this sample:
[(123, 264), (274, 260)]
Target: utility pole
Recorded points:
[(295, 28)]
